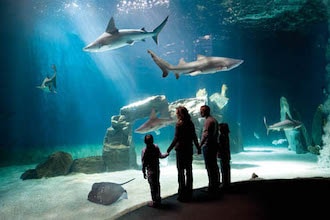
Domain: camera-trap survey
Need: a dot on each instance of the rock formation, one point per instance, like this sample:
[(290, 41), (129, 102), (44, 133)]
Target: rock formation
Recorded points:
[(118, 147), (57, 164)]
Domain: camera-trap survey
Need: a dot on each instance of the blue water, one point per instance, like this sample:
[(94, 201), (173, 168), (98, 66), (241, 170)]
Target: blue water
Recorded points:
[(92, 87)]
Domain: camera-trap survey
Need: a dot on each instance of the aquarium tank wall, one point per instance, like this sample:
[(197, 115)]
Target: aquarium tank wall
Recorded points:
[(83, 76)]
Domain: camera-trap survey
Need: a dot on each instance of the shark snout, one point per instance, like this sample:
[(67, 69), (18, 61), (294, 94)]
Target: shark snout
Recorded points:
[(89, 49)]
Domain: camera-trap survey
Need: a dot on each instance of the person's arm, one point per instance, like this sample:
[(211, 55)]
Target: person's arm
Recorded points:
[(195, 139), (160, 155), (175, 139), (143, 163), (205, 134)]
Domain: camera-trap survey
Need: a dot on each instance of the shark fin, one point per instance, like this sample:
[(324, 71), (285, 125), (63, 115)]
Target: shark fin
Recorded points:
[(143, 29), (111, 28), (157, 132), (177, 75), (181, 61), (267, 127), (157, 30), (165, 73), (130, 42), (200, 57), (287, 116)]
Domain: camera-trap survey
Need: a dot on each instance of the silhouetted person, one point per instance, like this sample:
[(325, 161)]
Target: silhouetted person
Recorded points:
[(224, 154), (184, 137), (150, 168), (209, 145)]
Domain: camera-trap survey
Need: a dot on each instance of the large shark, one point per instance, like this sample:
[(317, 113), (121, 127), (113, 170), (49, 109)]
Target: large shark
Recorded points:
[(49, 83), (114, 38), (287, 124), (203, 65), (154, 124)]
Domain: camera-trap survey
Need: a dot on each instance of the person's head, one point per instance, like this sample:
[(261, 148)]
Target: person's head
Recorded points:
[(148, 139), (182, 113), (224, 128), (205, 111)]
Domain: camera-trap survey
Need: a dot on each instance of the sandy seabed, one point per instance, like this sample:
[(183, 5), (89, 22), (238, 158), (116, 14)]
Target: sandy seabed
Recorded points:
[(65, 197)]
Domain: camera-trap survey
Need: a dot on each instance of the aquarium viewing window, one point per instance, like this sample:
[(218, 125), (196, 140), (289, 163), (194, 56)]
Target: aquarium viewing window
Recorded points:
[(83, 82)]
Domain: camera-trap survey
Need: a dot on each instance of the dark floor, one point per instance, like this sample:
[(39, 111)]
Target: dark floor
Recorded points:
[(299, 198)]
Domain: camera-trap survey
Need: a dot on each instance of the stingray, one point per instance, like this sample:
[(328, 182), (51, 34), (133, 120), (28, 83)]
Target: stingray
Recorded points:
[(106, 193), (49, 83)]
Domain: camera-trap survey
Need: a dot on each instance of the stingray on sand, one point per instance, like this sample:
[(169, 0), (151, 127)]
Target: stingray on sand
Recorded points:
[(106, 193)]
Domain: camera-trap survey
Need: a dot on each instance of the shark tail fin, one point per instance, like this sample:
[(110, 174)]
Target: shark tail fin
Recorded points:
[(162, 64), (267, 127), (158, 29)]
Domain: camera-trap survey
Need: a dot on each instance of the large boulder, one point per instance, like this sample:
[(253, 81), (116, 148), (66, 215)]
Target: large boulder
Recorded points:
[(94, 164), (57, 164)]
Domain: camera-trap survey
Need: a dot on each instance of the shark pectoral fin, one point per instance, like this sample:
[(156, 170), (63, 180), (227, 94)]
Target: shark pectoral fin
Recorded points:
[(165, 73), (155, 38), (130, 42), (157, 132)]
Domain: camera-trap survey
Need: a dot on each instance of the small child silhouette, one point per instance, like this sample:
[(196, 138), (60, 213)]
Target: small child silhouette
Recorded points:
[(150, 168)]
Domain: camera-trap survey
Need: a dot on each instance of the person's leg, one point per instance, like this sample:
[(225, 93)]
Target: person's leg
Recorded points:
[(211, 164), (214, 172), (226, 172), (189, 176), (157, 188), (153, 179), (181, 176), (206, 156)]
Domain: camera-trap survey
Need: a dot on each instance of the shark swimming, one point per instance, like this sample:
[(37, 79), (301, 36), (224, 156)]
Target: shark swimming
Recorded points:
[(114, 38), (154, 124), (287, 124), (49, 83), (203, 65)]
